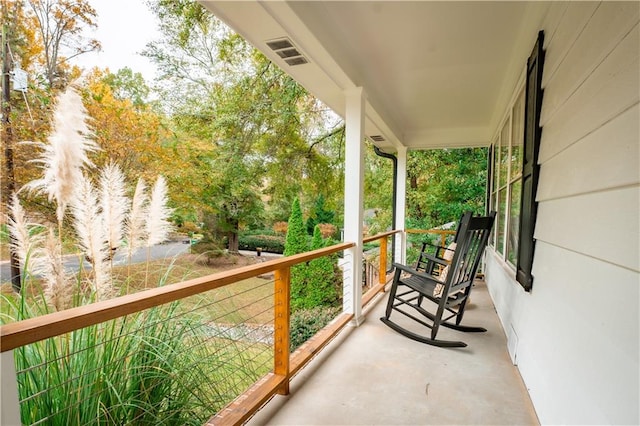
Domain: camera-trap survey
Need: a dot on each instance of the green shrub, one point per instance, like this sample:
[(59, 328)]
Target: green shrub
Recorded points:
[(313, 284), (251, 232), (322, 281), (307, 322), (270, 243)]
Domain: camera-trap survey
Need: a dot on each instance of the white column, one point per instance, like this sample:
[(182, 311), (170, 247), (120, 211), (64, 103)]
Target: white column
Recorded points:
[(9, 404), (400, 255), (353, 203)]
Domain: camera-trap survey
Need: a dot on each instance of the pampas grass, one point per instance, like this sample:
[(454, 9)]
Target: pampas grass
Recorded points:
[(58, 286), (39, 254), (135, 224), (88, 223), (157, 367), (102, 217), (114, 203), (158, 226), (24, 240), (65, 152)]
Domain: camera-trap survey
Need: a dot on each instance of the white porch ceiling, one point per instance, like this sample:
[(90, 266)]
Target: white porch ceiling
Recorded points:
[(435, 74)]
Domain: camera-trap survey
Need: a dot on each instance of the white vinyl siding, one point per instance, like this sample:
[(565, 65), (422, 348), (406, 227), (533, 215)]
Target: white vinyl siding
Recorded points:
[(578, 333)]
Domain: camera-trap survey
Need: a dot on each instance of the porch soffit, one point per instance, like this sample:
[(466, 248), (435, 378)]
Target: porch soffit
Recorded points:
[(435, 74)]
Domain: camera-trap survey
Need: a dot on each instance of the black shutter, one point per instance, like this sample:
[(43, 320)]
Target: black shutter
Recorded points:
[(530, 168)]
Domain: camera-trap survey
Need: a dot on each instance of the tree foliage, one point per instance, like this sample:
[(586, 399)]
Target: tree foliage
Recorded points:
[(324, 278), (60, 26), (296, 239), (296, 242), (267, 135), (319, 215), (27, 118), (315, 284), (442, 184), (42, 36), (129, 134), (378, 190)]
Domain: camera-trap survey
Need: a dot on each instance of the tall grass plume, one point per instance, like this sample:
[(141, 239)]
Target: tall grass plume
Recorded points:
[(65, 153), (158, 225), (114, 205), (25, 240), (59, 289), (88, 223), (135, 225)]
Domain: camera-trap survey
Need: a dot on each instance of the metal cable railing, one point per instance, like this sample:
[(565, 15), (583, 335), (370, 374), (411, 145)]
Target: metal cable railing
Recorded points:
[(179, 353)]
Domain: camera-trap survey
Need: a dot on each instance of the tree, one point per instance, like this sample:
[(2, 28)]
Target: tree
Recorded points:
[(296, 242), (234, 197), (42, 36), (315, 284), (323, 282), (60, 25), (220, 90), (21, 121), (125, 84), (445, 183), (378, 190), (133, 135), (319, 215), (296, 239)]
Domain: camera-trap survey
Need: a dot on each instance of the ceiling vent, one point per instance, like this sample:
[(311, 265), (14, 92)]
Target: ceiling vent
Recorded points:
[(377, 138), (287, 51)]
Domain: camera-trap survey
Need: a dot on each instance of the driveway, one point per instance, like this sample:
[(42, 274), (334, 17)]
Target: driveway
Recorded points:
[(72, 262)]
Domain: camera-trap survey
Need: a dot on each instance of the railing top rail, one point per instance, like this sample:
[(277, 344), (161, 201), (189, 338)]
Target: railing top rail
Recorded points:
[(431, 231), (17, 334), (379, 236)]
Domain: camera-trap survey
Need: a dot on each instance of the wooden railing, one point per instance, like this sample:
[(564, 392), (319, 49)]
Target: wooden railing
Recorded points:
[(382, 264), (443, 233), (18, 334)]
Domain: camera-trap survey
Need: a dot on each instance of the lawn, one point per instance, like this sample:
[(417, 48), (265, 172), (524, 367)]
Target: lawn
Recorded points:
[(249, 300)]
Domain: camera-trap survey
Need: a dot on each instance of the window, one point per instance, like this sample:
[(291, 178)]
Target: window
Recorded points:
[(514, 172), (507, 180)]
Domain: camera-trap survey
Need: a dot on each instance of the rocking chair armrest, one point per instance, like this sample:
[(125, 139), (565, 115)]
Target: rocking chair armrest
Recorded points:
[(435, 259), (427, 243), (412, 271), (437, 247)]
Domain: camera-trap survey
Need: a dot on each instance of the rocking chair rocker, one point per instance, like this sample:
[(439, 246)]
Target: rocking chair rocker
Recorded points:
[(449, 290)]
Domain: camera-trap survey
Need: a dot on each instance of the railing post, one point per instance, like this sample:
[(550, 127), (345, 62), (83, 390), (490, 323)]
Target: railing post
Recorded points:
[(443, 239), (9, 402), (382, 279), (281, 326)]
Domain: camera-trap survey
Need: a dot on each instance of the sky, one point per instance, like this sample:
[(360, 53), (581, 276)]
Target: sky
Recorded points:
[(124, 28)]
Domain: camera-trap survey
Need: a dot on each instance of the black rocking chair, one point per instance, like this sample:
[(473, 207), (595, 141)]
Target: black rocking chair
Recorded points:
[(449, 290)]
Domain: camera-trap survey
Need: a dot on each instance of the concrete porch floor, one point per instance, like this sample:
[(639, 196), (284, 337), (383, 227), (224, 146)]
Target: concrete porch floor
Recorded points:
[(372, 375)]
